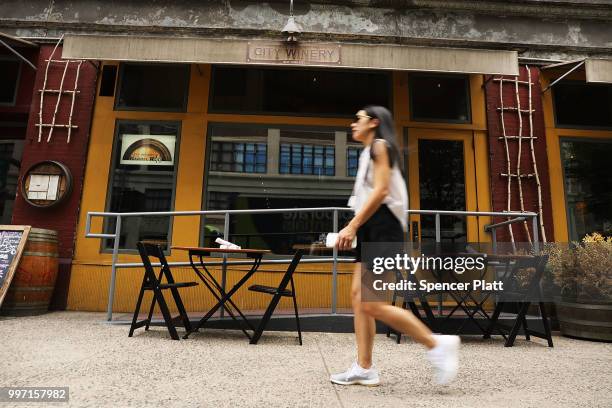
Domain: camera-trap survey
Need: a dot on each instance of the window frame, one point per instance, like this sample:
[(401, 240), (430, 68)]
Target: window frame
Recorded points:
[(411, 104), (302, 155), (17, 81), (215, 67), (250, 125), (244, 143), (574, 139), (119, 85), (17, 146), (109, 190), (554, 109), (359, 148)]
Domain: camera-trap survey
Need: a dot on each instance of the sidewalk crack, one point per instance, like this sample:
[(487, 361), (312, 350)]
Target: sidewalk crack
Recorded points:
[(329, 374)]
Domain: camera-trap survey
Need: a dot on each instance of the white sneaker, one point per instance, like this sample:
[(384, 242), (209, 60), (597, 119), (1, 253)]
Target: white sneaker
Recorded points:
[(445, 358), (357, 375)]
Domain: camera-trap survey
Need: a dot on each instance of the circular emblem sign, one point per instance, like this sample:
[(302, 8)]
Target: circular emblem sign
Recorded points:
[(147, 150)]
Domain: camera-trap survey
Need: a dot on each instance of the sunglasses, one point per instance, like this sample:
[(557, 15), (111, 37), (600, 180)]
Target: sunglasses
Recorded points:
[(359, 116)]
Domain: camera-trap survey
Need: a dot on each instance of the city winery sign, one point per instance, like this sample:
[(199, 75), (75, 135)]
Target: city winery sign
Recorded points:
[(283, 53)]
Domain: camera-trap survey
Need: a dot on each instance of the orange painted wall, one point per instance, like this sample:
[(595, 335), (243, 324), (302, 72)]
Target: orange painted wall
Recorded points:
[(91, 269)]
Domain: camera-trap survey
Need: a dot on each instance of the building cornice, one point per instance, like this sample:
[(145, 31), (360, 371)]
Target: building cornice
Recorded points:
[(471, 24), (585, 9)]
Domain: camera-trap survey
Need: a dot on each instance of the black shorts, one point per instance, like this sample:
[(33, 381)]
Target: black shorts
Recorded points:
[(382, 226)]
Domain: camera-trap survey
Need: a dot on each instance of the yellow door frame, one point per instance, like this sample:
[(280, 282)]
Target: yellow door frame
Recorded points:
[(555, 166), (471, 203)]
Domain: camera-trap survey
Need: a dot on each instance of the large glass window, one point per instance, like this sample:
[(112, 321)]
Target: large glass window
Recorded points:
[(10, 161), (442, 187), (297, 91), (578, 104), (297, 158), (305, 168), (439, 98), (153, 87), (9, 79), (238, 157), (352, 160), (145, 160), (588, 186)]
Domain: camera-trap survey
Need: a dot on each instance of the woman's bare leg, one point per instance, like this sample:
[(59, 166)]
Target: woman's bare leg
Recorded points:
[(401, 320), (366, 314), (365, 326)]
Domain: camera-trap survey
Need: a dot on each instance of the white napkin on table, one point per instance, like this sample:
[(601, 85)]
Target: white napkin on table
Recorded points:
[(223, 244)]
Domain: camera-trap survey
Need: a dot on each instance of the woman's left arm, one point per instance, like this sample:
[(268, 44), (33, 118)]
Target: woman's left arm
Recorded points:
[(382, 175)]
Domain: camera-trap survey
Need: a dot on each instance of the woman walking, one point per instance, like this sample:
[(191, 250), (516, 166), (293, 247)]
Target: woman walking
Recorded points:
[(380, 201)]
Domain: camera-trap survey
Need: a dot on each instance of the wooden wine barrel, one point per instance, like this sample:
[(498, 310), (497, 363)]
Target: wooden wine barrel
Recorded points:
[(32, 286), (586, 321)]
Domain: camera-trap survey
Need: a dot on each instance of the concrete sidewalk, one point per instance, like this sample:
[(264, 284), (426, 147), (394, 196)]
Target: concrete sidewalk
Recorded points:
[(218, 368)]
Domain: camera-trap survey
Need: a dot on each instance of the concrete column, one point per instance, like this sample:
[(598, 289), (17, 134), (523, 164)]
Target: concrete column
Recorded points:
[(273, 151), (340, 142)]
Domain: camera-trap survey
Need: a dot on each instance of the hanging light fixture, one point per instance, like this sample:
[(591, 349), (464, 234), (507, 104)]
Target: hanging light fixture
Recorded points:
[(291, 29)]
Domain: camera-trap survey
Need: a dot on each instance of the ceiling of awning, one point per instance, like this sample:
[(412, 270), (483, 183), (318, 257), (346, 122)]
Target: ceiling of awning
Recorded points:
[(592, 70), (233, 51), (16, 41), (13, 44)]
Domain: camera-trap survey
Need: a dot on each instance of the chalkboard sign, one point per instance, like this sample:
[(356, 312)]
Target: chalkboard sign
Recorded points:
[(12, 242)]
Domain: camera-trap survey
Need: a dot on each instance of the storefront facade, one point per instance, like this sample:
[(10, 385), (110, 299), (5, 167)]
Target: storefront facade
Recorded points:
[(270, 177), (181, 124)]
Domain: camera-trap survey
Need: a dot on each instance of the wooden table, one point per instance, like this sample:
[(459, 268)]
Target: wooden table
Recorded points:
[(196, 259)]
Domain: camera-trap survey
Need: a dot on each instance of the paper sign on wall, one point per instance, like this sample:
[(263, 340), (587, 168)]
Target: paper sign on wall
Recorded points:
[(43, 187)]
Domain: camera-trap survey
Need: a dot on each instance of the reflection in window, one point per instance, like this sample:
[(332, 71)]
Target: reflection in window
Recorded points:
[(588, 186), (583, 105), (352, 160), (442, 187), (157, 199), (298, 158), (159, 87), (10, 156), (297, 91), (301, 172), (238, 157), (439, 98), (143, 179)]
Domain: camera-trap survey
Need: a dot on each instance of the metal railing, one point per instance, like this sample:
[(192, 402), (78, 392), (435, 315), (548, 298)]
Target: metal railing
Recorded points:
[(514, 217)]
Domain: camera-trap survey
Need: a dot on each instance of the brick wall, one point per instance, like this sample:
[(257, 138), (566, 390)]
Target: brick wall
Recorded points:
[(497, 152), (62, 218)]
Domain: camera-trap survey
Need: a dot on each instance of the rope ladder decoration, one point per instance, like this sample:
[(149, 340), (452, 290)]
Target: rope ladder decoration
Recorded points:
[(520, 138), (60, 92)]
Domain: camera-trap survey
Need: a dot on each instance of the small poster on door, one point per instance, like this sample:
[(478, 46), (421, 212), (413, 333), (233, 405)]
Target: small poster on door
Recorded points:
[(149, 150)]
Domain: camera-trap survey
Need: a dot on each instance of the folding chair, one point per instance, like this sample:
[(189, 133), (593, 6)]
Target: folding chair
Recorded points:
[(408, 300), (154, 283), (277, 293), (522, 300), (477, 298)]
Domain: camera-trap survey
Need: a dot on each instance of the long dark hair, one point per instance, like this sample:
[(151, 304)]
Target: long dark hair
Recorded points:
[(385, 131)]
